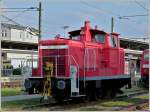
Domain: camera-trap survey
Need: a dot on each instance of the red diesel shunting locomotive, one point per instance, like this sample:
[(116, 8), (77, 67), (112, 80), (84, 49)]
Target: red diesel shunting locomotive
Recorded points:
[(90, 63), (144, 68)]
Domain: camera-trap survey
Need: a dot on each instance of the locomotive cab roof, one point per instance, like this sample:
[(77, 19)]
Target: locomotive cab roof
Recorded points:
[(92, 31), (89, 33)]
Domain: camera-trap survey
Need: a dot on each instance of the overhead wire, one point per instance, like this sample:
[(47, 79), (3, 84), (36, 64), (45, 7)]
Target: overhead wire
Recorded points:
[(20, 8), (83, 2), (141, 5), (9, 19), (112, 13), (16, 23), (118, 16), (105, 11), (19, 14), (135, 15), (15, 11), (102, 10)]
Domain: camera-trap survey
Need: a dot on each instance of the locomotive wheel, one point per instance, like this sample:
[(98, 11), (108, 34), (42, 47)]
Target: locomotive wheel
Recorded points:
[(30, 91), (97, 94), (119, 91), (92, 96), (111, 93), (103, 93), (59, 99), (83, 99), (88, 97), (100, 94)]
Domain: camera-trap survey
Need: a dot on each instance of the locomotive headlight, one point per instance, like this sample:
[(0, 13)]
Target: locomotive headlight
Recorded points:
[(61, 84)]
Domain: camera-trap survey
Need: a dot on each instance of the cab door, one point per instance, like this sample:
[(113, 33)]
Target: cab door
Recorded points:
[(114, 54)]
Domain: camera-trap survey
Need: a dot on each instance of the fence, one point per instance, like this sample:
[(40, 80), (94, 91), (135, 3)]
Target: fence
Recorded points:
[(7, 72), (12, 81), (16, 71)]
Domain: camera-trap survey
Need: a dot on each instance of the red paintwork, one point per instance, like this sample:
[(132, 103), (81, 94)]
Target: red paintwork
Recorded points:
[(144, 71), (109, 61), (34, 72)]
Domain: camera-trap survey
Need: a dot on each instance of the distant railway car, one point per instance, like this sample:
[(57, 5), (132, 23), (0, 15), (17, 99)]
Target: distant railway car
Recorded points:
[(144, 68), (89, 63)]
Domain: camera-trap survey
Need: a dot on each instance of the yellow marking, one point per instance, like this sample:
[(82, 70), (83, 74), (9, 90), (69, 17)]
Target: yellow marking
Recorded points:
[(47, 83)]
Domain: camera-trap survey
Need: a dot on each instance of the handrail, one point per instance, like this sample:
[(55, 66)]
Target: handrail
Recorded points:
[(57, 56), (77, 67), (94, 59)]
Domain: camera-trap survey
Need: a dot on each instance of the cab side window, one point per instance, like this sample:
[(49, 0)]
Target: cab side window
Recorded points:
[(146, 56), (76, 37), (100, 38), (112, 42)]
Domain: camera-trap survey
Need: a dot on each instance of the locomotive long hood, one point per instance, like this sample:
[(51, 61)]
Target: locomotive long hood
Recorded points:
[(60, 41)]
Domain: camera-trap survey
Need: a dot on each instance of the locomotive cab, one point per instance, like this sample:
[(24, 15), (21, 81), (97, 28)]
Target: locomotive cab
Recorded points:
[(144, 68)]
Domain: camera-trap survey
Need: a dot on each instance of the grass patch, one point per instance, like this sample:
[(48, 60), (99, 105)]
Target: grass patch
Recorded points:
[(11, 91), (144, 97), (137, 99), (89, 109), (125, 102), (19, 105), (115, 103)]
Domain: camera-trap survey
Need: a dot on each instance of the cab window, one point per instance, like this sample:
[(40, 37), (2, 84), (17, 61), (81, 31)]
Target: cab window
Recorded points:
[(75, 37), (146, 56), (112, 42), (100, 38)]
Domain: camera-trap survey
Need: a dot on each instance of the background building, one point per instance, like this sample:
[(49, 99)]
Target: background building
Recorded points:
[(18, 43)]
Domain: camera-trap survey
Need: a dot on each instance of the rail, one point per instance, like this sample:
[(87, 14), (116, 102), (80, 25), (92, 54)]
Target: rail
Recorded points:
[(52, 105)]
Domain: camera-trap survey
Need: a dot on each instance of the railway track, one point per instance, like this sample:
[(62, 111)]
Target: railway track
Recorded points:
[(144, 105), (71, 104), (131, 94)]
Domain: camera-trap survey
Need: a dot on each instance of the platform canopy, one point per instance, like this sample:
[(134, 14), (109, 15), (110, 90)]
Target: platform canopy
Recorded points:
[(134, 44)]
